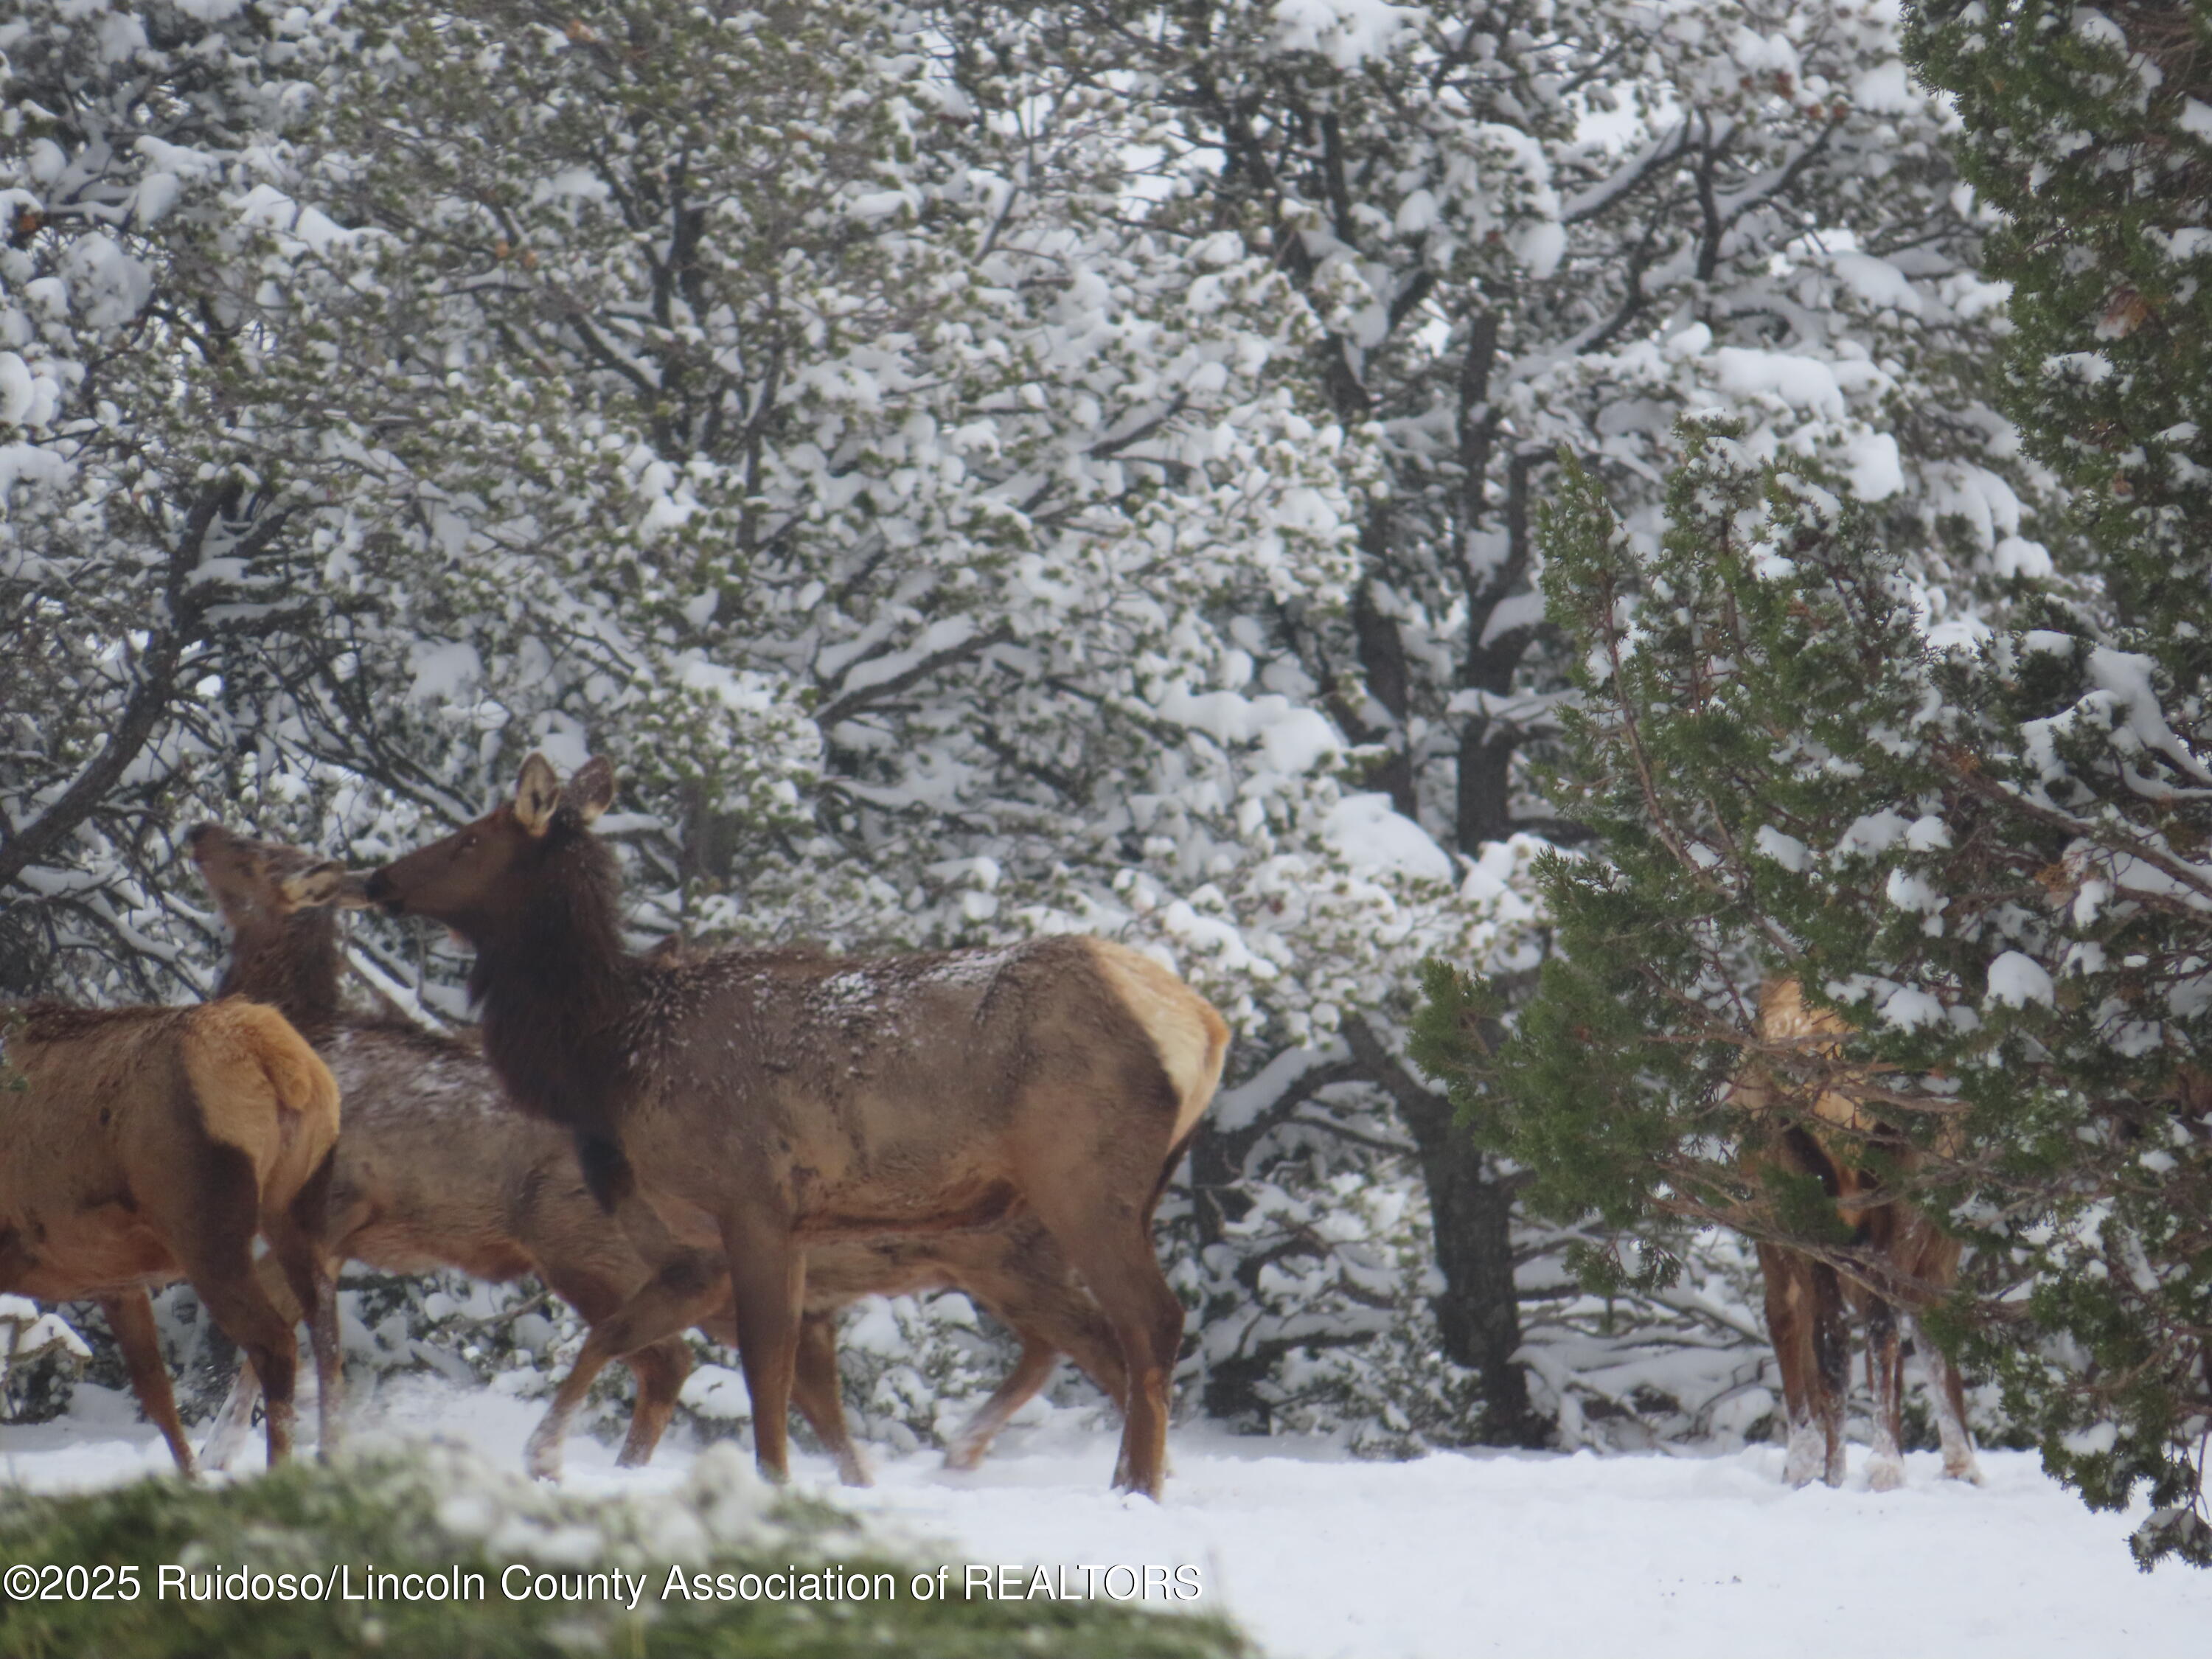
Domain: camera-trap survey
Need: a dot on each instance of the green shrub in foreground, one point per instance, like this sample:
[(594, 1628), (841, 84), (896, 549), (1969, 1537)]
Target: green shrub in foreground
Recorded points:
[(440, 1510)]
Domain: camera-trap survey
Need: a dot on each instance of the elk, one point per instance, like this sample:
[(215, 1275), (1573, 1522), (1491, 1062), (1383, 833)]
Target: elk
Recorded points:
[(767, 1101), (150, 1145), (1806, 1296), (434, 1169)]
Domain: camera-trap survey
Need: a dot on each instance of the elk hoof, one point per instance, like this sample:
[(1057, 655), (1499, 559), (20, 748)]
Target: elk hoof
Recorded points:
[(965, 1456), (1970, 1471), (541, 1459), (1805, 1461), (852, 1472), (1885, 1474), (1124, 1481)]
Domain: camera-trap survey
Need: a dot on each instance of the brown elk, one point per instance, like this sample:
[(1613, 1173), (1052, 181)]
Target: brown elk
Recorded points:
[(150, 1145), (1806, 1296), (767, 1101), (434, 1169)]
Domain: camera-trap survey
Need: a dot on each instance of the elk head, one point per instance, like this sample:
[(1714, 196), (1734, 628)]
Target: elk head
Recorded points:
[(266, 881), (487, 873)]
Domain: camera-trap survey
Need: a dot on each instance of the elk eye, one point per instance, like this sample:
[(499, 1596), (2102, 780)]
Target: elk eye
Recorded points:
[(469, 842)]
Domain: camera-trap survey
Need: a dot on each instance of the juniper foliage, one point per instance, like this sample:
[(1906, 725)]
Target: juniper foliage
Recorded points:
[(1955, 836)]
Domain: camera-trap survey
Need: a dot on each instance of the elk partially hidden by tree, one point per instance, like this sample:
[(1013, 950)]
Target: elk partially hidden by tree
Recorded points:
[(435, 1170), (150, 1145), (1895, 1258), (765, 1100)]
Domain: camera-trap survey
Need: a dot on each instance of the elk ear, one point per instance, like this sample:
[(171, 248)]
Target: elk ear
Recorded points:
[(536, 795), (592, 791), (328, 883)]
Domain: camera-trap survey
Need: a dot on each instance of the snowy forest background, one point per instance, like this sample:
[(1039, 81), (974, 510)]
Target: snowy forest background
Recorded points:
[(977, 471)]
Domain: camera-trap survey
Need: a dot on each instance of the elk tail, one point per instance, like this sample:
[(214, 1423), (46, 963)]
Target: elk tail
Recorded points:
[(263, 1090)]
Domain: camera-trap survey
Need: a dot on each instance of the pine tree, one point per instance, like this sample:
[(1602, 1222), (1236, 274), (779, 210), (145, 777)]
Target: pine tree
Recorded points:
[(1960, 839), (159, 523), (1979, 839), (1518, 230)]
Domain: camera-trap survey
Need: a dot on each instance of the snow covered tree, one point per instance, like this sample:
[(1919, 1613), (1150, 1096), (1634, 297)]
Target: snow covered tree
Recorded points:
[(982, 470), (1982, 843), (815, 414), (1959, 841), (157, 504), (1520, 229)]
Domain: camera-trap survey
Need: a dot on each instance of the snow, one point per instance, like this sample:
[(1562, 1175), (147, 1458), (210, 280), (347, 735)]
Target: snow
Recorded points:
[(1293, 740), (1886, 90), (1369, 834), (1874, 467), (1877, 281), (26, 1333), (1785, 850), (1909, 1008), (1348, 31), (1319, 1556), (443, 671), (2016, 979), (17, 390), (2015, 555), (1800, 382)]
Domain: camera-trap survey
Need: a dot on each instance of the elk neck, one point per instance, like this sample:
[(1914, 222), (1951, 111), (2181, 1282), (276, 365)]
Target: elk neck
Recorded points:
[(290, 963), (555, 985)]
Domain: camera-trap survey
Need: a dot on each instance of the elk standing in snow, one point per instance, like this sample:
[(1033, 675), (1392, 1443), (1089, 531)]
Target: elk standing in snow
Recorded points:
[(764, 1101), (434, 1169), (151, 1145), (1806, 1296)]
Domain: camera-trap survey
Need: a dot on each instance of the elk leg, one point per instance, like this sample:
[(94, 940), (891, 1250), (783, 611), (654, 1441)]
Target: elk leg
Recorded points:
[(313, 1288), (215, 1216), (685, 1289), (1031, 1290), (1033, 1293), (1788, 1325), (659, 1368), (233, 1422), (1831, 1376), (816, 1389), (1030, 1373), (1950, 1399), (1886, 1381), (1109, 1245), (130, 1317), (768, 1287), (820, 1398), (265, 1337)]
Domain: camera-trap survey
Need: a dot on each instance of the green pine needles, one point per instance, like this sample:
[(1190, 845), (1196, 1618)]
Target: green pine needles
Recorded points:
[(1983, 841), (1791, 771)]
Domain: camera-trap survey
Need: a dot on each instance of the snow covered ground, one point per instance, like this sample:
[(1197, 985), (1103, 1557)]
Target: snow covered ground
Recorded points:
[(1320, 1557)]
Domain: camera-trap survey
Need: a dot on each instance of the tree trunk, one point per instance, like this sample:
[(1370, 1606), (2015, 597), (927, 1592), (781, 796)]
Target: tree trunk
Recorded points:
[(1471, 1213)]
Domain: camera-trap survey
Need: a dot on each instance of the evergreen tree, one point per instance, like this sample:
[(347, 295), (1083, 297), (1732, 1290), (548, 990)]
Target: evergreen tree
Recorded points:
[(1518, 229), (1981, 842), (1981, 848), (981, 470), (160, 513)]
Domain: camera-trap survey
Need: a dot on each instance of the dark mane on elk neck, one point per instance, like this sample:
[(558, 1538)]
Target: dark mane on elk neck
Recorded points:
[(554, 984)]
